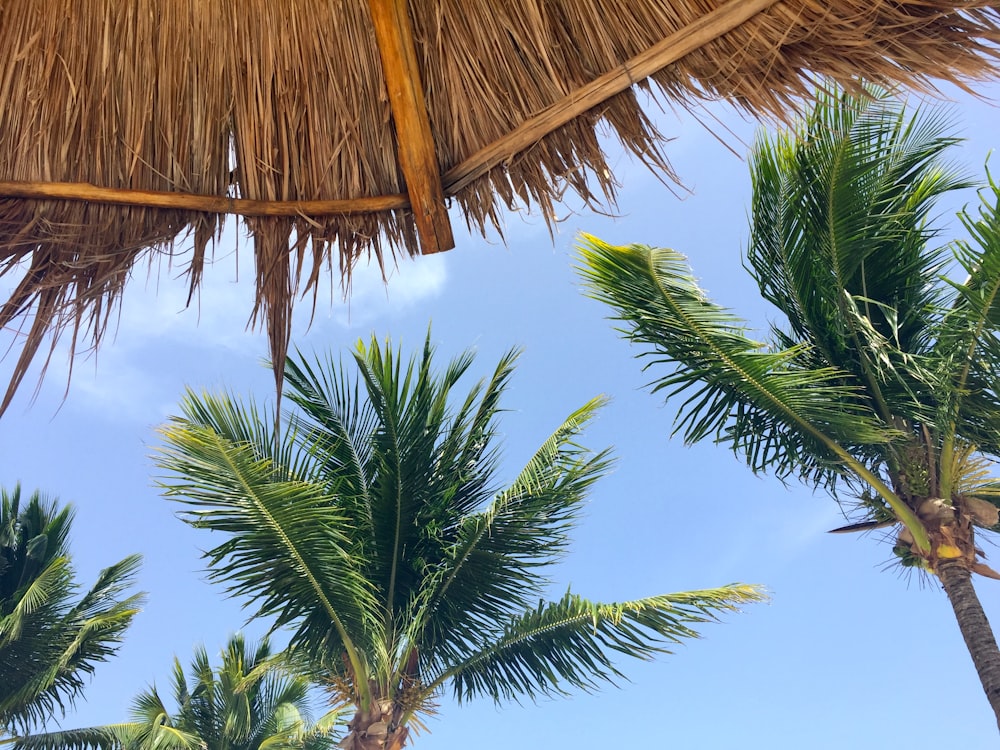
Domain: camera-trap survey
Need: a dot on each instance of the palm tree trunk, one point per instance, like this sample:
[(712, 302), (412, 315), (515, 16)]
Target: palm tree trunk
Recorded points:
[(957, 582), (375, 730)]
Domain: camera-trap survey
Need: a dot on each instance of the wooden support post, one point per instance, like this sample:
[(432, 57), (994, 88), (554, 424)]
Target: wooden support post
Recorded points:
[(394, 34)]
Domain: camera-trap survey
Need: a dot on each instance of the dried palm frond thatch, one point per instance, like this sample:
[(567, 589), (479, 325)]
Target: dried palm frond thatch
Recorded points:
[(338, 128)]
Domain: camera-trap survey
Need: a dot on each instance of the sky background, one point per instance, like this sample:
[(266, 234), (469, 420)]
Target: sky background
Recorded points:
[(849, 652)]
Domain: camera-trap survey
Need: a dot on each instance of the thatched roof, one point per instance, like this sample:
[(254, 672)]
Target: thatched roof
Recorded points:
[(340, 128)]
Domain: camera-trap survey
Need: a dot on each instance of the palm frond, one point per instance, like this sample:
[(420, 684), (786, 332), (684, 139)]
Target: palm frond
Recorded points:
[(148, 707), (110, 737), (972, 474), (102, 602), (410, 406), (50, 641), (100, 619), (571, 643), (780, 415), (839, 238), (334, 424), (287, 548), (125, 736), (398, 455), (855, 182), (467, 456), (493, 568), (967, 347), (251, 701), (50, 586)]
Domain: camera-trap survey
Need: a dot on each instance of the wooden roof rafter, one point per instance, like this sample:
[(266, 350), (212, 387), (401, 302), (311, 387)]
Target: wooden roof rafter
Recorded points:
[(711, 26), (426, 188)]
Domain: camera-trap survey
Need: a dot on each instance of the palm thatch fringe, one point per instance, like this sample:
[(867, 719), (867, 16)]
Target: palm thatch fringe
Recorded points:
[(287, 102)]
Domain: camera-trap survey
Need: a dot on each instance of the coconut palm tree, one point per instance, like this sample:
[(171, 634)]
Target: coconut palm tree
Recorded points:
[(50, 640), (880, 381), (376, 528), (251, 702)]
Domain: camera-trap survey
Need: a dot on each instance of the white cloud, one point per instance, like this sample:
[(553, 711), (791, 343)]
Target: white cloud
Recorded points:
[(158, 343), (408, 283), (220, 311)]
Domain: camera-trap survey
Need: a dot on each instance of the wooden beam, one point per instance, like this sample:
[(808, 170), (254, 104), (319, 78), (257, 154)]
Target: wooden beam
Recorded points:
[(695, 35), (415, 142), (216, 204), (413, 133)]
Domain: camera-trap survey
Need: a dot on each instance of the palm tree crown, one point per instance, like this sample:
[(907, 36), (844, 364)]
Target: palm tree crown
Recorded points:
[(251, 702), (50, 641), (376, 527), (879, 381)]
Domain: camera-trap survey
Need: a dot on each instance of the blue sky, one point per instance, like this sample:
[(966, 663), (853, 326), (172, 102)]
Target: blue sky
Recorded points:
[(849, 652)]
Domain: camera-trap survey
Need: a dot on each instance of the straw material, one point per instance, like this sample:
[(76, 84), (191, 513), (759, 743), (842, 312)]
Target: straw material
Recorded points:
[(287, 101)]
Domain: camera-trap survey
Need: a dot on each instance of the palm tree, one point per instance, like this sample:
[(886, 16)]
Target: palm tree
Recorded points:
[(881, 382), (252, 702), (50, 641), (375, 527)]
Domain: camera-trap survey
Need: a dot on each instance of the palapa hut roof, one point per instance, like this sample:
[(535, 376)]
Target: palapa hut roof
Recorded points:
[(341, 128)]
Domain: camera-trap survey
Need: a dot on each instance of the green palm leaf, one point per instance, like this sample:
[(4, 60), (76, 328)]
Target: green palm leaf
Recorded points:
[(49, 585), (410, 409), (570, 643), (288, 548), (781, 415), (108, 737), (50, 640), (967, 350), (250, 702), (839, 240), (333, 424), (493, 569)]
